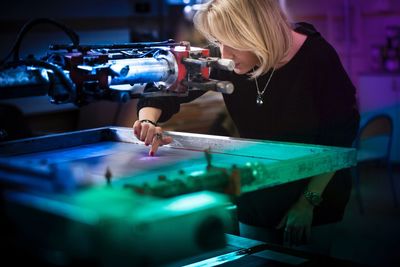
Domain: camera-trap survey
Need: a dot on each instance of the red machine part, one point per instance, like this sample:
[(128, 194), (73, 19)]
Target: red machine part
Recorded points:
[(182, 52), (78, 76)]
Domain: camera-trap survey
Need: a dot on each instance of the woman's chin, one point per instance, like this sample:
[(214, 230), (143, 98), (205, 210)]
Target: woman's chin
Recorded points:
[(240, 70)]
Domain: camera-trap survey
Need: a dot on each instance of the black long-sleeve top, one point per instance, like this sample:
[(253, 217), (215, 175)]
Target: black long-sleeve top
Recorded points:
[(309, 100)]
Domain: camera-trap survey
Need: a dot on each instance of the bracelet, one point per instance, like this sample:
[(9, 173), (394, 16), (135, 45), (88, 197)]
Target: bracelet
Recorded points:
[(313, 198), (149, 121)]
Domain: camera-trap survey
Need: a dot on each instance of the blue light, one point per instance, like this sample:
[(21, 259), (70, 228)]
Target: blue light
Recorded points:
[(178, 2)]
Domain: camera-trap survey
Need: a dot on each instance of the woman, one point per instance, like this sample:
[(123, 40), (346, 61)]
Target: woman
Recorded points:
[(289, 86)]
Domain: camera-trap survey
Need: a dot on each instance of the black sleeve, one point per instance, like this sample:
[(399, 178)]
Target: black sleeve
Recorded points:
[(169, 105), (339, 116)]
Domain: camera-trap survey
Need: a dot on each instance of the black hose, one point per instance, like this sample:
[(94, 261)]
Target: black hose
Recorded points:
[(64, 79), (28, 26)]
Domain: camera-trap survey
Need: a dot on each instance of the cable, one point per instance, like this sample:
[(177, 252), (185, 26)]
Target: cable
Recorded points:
[(28, 26)]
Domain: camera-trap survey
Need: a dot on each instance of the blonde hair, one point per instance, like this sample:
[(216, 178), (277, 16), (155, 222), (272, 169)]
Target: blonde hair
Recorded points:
[(259, 26)]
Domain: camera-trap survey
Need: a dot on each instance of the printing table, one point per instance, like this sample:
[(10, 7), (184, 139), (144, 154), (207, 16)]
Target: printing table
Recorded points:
[(241, 251)]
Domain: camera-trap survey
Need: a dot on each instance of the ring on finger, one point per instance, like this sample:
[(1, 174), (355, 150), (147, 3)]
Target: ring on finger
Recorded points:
[(159, 136)]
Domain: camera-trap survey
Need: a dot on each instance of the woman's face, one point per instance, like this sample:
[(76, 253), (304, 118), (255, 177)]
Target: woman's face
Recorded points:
[(245, 61)]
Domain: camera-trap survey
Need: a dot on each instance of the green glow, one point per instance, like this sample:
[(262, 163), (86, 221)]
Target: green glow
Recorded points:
[(197, 173), (191, 202)]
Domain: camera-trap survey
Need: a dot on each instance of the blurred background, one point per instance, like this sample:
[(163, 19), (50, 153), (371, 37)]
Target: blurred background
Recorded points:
[(366, 34)]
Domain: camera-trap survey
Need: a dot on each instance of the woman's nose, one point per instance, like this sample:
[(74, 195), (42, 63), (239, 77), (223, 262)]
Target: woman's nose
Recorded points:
[(226, 52)]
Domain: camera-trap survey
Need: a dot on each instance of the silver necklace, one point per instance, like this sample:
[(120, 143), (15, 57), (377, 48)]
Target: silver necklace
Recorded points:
[(260, 95)]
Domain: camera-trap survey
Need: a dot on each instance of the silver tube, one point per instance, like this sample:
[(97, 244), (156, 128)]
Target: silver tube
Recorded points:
[(144, 70)]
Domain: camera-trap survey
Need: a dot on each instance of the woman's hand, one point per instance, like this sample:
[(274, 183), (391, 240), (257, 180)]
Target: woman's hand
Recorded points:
[(296, 223), (150, 135)]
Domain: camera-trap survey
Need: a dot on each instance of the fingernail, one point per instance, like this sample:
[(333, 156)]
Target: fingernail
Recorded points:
[(152, 154), (135, 132), (147, 144)]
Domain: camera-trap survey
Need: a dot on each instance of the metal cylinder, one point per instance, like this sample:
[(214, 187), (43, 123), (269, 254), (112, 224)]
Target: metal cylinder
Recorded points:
[(144, 70), (224, 87)]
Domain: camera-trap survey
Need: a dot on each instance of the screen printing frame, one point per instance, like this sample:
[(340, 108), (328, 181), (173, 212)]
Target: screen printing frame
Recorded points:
[(272, 162)]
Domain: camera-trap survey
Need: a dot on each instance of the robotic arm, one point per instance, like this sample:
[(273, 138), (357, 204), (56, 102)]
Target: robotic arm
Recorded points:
[(81, 74)]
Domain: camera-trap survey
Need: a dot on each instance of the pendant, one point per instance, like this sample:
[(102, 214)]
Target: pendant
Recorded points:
[(259, 100)]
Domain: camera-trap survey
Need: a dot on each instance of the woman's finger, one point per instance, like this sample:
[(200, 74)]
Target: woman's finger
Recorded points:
[(166, 140), (307, 234), (297, 236), (157, 141), (143, 132), (137, 129), (150, 135)]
